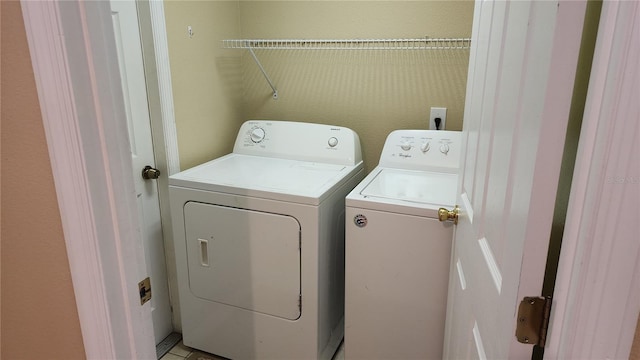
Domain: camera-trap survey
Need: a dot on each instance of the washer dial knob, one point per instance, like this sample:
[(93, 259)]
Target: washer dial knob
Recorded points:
[(257, 135), (425, 147), (444, 148), (405, 145)]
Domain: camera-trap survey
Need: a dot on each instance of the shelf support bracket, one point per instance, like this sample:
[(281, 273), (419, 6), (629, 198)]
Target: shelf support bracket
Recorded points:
[(255, 58)]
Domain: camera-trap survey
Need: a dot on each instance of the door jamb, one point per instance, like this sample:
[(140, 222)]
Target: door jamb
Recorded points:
[(597, 296)]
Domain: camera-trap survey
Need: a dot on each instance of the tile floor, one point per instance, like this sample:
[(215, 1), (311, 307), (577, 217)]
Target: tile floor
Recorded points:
[(178, 352), (181, 352)]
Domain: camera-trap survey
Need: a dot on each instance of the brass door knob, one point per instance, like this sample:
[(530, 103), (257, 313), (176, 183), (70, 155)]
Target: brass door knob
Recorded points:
[(449, 215), (150, 173)]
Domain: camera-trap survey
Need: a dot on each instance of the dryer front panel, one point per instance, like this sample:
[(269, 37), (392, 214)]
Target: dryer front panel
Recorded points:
[(244, 258)]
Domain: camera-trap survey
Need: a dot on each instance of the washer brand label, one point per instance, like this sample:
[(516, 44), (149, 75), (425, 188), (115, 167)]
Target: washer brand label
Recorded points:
[(360, 220)]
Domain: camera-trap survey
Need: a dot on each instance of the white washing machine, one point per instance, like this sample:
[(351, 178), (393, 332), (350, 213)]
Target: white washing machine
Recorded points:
[(259, 242), (398, 252)]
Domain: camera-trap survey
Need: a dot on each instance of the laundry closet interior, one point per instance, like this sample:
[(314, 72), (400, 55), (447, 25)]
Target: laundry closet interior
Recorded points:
[(353, 80), (372, 92)]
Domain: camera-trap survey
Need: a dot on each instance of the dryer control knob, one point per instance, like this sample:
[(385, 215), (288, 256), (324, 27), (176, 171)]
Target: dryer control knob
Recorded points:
[(333, 141), (257, 135), (405, 145), (425, 147)]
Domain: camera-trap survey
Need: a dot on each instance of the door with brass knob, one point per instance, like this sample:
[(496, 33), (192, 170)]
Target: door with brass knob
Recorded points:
[(449, 215), (519, 84), (150, 173)]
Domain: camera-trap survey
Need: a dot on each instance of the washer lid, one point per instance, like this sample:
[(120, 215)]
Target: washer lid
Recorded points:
[(273, 178), (413, 186), (411, 192)]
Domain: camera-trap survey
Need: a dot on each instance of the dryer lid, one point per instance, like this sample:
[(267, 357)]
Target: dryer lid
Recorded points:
[(420, 187)]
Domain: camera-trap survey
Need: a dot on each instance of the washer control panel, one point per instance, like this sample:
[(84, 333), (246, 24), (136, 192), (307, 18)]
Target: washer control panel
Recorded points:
[(299, 141), (437, 150)]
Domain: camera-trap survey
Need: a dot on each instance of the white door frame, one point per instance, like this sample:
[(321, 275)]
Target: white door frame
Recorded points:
[(75, 65), (597, 292), (78, 87)]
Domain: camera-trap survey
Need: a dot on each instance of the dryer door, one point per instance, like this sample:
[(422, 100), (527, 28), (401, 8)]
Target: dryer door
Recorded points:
[(244, 258)]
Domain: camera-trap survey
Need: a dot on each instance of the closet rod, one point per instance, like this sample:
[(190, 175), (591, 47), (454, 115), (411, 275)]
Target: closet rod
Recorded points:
[(350, 44)]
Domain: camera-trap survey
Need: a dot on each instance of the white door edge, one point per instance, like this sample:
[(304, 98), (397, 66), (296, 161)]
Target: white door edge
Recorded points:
[(165, 138), (597, 297)]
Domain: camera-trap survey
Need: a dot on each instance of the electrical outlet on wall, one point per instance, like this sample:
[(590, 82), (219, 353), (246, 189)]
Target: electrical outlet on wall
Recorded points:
[(437, 113)]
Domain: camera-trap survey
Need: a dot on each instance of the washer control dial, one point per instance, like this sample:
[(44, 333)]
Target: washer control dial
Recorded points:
[(444, 148), (257, 135), (425, 147), (333, 141), (405, 145)]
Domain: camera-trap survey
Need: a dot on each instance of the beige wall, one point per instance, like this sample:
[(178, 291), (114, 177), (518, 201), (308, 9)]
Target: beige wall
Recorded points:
[(370, 92), (206, 79), (39, 317)]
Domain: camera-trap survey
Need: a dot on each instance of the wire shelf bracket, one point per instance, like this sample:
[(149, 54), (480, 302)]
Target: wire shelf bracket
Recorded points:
[(266, 76), (342, 44)]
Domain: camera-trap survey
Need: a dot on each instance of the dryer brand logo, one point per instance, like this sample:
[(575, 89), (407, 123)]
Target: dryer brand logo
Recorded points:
[(360, 220)]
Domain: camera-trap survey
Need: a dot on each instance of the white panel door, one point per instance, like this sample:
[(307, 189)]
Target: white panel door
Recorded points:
[(125, 24), (521, 73)]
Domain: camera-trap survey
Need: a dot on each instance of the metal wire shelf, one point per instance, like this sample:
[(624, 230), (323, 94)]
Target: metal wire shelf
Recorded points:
[(349, 44), (342, 44)]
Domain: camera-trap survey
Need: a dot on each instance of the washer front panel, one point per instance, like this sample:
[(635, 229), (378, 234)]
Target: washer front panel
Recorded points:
[(244, 258), (396, 276)]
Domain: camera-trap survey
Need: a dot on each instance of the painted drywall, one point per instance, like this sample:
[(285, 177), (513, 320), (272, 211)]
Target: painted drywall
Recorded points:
[(371, 92), (206, 78), (39, 316)]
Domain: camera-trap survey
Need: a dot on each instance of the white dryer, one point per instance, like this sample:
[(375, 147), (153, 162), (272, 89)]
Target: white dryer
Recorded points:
[(259, 242), (398, 252)]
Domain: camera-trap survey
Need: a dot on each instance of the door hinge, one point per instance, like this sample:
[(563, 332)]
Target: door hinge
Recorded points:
[(533, 320), (144, 287)]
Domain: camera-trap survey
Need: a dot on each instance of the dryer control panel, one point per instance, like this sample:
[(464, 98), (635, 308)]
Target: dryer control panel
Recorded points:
[(299, 141), (426, 150)]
